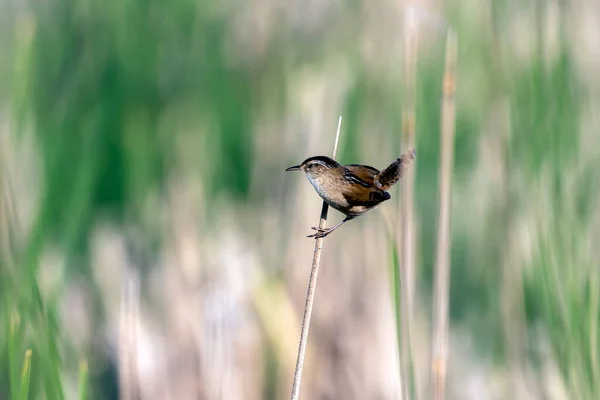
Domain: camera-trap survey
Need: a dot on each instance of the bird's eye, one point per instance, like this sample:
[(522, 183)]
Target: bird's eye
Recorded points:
[(309, 166)]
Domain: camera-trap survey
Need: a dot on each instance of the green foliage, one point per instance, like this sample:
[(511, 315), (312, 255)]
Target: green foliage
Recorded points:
[(562, 290), (112, 87), (101, 79), (545, 109)]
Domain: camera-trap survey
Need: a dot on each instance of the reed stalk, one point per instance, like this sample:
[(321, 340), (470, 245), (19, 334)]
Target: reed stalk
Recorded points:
[(312, 286), (406, 266), (442, 268)]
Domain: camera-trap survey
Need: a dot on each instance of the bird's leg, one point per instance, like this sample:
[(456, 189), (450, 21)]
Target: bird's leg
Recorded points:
[(321, 233)]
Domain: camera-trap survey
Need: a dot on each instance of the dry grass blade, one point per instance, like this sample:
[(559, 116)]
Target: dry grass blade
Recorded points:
[(312, 285), (442, 268), (406, 266)]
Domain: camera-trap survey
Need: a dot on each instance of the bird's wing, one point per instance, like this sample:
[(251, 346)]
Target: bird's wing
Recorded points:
[(357, 196), (363, 172), (358, 183), (392, 174), (360, 188)]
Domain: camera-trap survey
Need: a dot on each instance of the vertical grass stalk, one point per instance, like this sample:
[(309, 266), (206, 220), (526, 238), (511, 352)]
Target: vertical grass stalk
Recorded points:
[(513, 312), (312, 285), (406, 266), (442, 268)]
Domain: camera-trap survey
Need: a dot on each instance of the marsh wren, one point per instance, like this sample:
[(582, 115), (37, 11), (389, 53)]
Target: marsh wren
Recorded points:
[(351, 189)]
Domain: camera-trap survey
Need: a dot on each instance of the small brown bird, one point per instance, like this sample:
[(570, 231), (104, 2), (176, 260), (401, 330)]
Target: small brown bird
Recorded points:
[(351, 189)]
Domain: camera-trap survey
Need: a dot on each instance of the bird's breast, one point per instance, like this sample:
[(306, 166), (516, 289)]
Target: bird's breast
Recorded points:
[(329, 192)]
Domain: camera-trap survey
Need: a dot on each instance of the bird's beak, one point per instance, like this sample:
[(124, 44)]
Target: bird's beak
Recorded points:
[(294, 168)]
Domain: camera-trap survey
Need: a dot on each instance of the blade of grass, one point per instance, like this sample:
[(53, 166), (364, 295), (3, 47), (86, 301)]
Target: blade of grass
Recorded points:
[(312, 285), (25, 376), (13, 350), (593, 318), (396, 295), (83, 380)]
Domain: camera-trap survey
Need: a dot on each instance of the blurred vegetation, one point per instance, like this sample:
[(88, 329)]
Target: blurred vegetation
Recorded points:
[(121, 98)]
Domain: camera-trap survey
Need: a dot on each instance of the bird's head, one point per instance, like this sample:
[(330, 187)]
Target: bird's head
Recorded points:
[(315, 167)]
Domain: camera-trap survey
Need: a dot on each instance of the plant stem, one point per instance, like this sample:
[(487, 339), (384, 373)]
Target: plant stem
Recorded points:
[(406, 266), (312, 285), (442, 268)]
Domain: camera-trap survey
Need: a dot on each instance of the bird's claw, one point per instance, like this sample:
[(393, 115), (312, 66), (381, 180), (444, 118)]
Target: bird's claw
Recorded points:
[(321, 233)]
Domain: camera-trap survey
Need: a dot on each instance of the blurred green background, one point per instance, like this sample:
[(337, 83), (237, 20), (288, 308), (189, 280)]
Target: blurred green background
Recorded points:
[(152, 247)]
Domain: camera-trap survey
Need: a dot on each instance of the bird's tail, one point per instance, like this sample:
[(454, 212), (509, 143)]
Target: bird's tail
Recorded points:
[(392, 174)]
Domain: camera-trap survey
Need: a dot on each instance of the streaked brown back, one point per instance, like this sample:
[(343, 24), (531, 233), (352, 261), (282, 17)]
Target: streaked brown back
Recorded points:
[(364, 172)]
